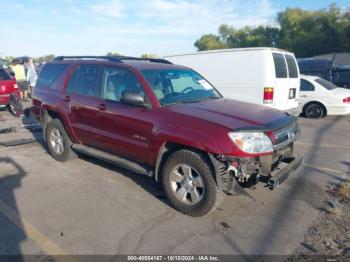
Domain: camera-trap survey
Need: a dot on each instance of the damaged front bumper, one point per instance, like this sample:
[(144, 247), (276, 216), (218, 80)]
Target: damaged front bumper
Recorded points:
[(287, 167)]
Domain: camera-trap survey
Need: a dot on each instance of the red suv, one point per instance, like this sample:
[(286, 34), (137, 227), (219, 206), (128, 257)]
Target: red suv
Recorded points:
[(163, 121), (8, 87)]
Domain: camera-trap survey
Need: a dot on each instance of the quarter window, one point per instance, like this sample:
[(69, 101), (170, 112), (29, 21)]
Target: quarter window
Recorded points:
[(306, 86), (280, 65), (49, 74)]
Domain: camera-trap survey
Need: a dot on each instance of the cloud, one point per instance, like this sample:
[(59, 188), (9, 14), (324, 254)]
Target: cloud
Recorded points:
[(112, 8)]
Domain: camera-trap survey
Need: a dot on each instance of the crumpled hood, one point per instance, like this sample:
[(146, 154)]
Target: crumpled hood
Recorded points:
[(235, 115)]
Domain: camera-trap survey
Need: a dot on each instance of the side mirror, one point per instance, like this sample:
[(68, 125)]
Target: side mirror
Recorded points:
[(132, 98)]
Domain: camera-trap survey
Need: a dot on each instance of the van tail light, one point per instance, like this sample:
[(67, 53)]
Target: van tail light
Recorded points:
[(346, 100), (15, 86), (268, 95)]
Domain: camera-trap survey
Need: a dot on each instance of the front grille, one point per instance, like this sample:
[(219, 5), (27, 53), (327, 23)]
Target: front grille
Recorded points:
[(286, 135)]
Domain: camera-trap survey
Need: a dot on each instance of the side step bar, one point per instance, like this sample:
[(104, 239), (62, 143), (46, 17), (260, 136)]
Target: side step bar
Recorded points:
[(113, 159)]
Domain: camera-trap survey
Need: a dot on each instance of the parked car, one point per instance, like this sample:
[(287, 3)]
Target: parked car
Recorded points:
[(164, 121), (8, 88), (263, 76), (326, 69), (319, 97)]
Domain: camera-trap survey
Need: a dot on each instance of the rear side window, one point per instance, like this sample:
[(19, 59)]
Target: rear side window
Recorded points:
[(326, 84), (292, 66), (306, 86), (4, 75), (280, 65), (49, 74), (85, 81)]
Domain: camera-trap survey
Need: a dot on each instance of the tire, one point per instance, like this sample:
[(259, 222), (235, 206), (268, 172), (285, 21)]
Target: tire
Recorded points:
[(314, 110), (58, 142), (188, 181)]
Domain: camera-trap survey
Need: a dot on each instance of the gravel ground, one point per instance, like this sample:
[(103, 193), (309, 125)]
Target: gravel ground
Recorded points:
[(330, 233)]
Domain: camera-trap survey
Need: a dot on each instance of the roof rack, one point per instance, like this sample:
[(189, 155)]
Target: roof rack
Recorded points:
[(154, 60), (118, 59), (108, 58)]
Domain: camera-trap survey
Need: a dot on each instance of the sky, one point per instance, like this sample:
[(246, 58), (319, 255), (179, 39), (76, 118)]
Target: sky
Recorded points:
[(129, 27)]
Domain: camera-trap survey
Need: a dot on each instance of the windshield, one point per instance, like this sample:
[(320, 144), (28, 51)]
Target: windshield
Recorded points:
[(326, 84), (179, 86)]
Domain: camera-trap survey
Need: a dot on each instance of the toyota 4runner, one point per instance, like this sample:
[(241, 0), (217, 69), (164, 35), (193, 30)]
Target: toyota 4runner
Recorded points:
[(163, 121)]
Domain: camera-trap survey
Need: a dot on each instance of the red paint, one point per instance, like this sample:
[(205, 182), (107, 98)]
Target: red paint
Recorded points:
[(139, 133)]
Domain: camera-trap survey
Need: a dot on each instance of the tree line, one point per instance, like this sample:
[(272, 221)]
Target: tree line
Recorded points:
[(306, 33)]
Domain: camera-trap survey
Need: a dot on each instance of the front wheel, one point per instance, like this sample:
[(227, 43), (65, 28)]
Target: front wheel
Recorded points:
[(189, 183)]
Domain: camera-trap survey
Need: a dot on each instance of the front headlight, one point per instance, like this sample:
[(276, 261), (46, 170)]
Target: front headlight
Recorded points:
[(252, 142)]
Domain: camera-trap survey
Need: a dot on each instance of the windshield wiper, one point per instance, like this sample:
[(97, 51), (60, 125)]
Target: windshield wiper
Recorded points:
[(200, 99)]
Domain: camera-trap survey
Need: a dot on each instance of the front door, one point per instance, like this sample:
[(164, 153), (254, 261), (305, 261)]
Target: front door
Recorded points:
[(124, 129)]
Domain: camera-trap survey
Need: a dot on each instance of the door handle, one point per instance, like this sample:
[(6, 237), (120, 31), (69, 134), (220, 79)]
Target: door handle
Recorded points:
[(101, 107), (303, 96), (67, 98)]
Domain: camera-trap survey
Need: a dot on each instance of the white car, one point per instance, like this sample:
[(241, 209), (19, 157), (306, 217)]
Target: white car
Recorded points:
[(319, 97)]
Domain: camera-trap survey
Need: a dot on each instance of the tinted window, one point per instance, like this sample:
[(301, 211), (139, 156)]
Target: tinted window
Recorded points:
[(280, 65), (4, 75), (306, 86), (116, 81), (85, 80), (326, 84), (49, 74), (292, 67)]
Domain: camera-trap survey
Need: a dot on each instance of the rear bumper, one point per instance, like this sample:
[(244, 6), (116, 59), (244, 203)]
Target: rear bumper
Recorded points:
[(4, 99), (286, 168)]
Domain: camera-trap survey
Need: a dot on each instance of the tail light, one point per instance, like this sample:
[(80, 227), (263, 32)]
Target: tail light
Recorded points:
[(346, 100), (15, 86), (268, 95), (2, 88)]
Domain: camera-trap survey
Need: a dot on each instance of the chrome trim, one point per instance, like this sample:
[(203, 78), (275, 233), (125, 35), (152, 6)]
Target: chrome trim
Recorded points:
[(291, 132)]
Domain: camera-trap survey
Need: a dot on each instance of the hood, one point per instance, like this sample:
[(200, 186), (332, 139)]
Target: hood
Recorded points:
[(235, 115)]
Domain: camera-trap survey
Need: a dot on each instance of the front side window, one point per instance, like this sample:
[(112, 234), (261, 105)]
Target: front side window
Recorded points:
[(280, 65), (85, 81), (306, 86), (116, 81), (326, 84), (179, 86), (292, 67)]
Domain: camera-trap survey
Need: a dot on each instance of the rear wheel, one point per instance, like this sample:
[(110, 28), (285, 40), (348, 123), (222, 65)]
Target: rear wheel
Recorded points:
[(314, 110), (189, 183), (58, 141)]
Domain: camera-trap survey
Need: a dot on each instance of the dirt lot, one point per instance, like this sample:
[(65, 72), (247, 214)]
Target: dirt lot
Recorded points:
[(88, 207)]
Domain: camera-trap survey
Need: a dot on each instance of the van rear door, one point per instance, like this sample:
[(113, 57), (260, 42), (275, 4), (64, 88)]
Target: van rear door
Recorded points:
[(287, 82)]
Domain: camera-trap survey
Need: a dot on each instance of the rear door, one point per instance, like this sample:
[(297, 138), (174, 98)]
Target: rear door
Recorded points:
[(287, 81), (7, 87), (84, 99)]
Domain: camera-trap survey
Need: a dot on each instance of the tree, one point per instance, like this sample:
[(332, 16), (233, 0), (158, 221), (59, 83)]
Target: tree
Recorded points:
[(113, 54), (208, 42), (306, 33), (149, 56)]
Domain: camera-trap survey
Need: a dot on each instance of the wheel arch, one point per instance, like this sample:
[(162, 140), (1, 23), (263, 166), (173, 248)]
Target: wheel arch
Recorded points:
[(318, 103)]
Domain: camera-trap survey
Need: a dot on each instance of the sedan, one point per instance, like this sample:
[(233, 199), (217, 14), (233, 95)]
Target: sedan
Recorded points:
[(319, 98)]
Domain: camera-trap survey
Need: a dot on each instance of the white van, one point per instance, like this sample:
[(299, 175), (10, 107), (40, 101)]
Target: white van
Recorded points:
[(264, 76)]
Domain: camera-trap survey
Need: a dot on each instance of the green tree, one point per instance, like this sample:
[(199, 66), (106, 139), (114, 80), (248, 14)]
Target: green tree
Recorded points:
[(306, 33), (149, 56), (113, 54)]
